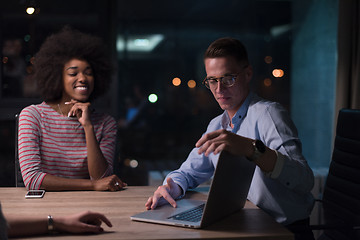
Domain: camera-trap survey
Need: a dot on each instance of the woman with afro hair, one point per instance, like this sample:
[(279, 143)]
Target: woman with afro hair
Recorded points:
[(63, 143)]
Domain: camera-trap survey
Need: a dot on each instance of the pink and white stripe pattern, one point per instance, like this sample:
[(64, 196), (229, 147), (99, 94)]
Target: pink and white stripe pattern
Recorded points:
[(54, 144)]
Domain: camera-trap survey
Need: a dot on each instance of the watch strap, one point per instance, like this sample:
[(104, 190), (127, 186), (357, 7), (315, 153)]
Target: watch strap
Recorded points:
[(259, 149)]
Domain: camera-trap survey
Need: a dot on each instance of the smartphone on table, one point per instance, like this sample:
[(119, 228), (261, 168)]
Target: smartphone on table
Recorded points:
[(35, 194)]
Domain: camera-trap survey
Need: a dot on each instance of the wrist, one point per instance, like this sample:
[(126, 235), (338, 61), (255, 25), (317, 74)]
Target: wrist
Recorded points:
[(93, 184), (178, 192), (88, 126), (59, 224), (258, 149)]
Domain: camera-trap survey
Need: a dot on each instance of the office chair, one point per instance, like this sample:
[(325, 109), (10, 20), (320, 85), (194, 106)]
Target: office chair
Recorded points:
[(18, 177), (341, 198)]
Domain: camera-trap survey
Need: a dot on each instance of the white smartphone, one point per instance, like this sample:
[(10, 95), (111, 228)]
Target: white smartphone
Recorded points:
[(35, 194)]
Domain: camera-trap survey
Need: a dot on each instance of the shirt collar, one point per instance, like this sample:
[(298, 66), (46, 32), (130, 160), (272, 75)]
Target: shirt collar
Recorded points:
[(239, 115)]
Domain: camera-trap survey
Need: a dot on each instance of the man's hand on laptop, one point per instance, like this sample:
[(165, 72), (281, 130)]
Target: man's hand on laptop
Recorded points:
[(164, 194), (220, 140)]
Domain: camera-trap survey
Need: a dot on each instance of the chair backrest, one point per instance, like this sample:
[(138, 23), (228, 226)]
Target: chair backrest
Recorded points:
[(18, 177), (341, 199)]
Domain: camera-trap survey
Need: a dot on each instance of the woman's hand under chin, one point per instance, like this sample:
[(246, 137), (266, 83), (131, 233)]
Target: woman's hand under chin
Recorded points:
[(80, 110)]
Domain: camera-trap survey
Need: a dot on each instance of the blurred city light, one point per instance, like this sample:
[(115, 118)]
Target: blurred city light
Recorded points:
[(278, 73), (176, 81), (267, 82), (268, 59), (133, 163), (27, 37), (191, 84), (30, 10), (153, 98), (138, 43)]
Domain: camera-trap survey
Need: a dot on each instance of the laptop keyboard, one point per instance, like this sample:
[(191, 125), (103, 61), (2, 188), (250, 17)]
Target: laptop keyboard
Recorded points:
[(191, 215)]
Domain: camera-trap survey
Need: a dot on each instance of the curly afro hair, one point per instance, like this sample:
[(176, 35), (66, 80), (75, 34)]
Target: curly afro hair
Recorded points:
[(61, 47)]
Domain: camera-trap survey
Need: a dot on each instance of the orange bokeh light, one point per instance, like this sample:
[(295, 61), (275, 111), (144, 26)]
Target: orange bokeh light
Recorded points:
[(278, 73), (176, 81), (267, 82), (268, 59), (191, 84)]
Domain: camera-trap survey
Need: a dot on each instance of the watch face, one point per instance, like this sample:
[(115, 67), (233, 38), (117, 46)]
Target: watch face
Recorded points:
[(260, 146)]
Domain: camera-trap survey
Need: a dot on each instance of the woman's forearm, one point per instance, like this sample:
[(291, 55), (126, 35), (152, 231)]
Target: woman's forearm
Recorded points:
[(54, 183), (97, 163)]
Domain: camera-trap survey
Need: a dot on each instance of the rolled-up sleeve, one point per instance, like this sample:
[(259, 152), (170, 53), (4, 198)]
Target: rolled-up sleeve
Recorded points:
[(194, 171), (279, 133)]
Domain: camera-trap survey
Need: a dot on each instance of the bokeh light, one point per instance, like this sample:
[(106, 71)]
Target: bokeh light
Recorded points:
[(153, 98), (30, 10), (133, 163), (191, 84), (278, 73), (176, 81), (27, 38), (267, 82), (268, 59)]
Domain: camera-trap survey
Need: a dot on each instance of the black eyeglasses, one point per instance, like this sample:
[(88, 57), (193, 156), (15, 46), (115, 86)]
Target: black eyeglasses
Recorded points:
[(227, 81)]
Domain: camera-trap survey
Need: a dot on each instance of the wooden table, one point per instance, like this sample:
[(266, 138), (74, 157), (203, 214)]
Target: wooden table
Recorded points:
[(249, 223)]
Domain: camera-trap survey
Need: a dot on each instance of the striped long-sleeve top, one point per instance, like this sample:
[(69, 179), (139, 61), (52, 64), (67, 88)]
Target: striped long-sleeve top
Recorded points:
[(55, 144)]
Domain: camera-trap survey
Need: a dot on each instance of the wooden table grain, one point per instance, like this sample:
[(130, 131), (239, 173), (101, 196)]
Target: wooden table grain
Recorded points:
[(249, 223)]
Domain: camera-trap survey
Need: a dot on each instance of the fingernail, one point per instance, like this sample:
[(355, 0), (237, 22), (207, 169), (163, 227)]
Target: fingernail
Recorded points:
[(67, 102)]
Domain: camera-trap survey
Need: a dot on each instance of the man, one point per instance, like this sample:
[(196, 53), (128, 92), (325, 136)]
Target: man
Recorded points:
[(253, 127)]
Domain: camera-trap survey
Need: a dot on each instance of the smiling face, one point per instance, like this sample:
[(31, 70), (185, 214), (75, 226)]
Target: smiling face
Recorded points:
[(229, 98), (78, 80)]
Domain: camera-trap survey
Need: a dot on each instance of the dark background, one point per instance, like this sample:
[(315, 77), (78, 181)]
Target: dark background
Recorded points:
[(164, 132)]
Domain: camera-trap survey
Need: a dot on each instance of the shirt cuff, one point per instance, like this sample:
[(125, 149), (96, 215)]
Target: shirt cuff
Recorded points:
[(280, 160), (183, 190)]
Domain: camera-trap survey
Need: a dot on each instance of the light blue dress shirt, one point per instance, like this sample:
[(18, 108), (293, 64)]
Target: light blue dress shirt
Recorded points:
[(284, 193)]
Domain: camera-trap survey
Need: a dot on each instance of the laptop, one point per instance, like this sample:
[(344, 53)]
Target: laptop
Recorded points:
[(228, 193)]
